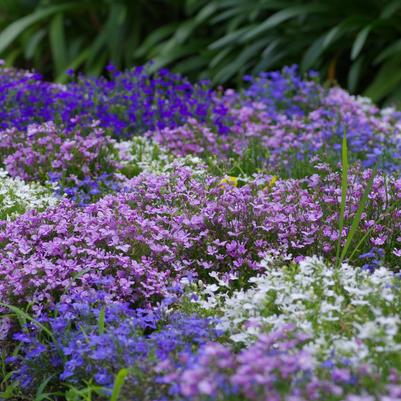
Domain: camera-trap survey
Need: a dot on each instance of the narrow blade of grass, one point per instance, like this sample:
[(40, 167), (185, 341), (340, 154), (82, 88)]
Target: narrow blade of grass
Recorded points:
[(118, 384), (357, 217), (25, 316), (344, 188), (360, 243), (100, 322)]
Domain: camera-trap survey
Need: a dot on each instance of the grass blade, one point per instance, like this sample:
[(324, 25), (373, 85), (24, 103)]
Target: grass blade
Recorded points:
[(344, 187), (360, 41), (25, 316), (100, 322), (358, 214), (58, 43), (118, 384), (9, 34)]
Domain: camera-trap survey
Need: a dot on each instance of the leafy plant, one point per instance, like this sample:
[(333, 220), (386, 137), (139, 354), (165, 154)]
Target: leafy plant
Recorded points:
[(356, 43), (362, 204), (57, 35)]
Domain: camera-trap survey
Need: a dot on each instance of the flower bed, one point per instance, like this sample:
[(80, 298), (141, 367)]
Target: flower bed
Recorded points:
[(163, 240)]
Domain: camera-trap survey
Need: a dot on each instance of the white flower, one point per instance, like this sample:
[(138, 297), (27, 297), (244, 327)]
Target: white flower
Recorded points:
[(312, 297), (17, 197)]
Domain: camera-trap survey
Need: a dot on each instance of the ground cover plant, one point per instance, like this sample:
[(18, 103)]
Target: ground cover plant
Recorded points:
[(164, 240)]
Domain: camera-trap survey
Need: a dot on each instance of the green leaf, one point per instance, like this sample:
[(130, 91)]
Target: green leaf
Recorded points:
[(393, 49), (354, 74), (360, 41), (283, 15), (23, 316), (118, 384), (390, 9), (234, 67), (394, 98), (193, 5), (154, 38), (184, 30), (312, 54), (40, 395), (101, 319), (358, 215), (228, 39), (8, 35), (219, 57), (356, 248), (33, 42), (57, 43), (97, 68), (347, 26), (344, 188), (225, 15), (332, 35), (190, 64), (388, 77), (206, 12), (113, 32)]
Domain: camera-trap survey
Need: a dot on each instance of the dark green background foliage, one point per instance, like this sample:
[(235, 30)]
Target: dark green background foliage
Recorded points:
[(356, 42)]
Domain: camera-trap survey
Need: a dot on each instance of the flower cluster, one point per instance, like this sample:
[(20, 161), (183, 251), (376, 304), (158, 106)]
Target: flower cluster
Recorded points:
[(141, 154), (17, 197), (168, 226), (93, 338), (81, 164), (277, 367), (158, 240), (293, 119), (127, 104), (24, 98), (346, 312)]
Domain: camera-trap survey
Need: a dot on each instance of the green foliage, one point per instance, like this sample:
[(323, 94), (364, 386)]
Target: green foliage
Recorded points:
[(344, 187), (55, 35), (355, 42), (361, 207)]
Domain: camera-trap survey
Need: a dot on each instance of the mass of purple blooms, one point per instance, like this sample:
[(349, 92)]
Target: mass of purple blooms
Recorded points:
[(94, 289)]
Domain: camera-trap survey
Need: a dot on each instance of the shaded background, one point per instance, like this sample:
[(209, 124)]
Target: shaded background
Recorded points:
[(354, 42)]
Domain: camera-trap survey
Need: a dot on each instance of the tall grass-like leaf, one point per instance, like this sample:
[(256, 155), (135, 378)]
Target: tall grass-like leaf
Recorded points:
[(354, 74), (118, 384), (357, 217), (10, 33), (32, 44), (388, 78), (313, 53), (206, 12), (344, 188), (282, 16), (101, 320), (57, 43), (25, 316), (234, 67), (390, 9), (360, 242), (154, 39), (360, 41), (230, 38), (391, 50), (40, 394), (63, 77)]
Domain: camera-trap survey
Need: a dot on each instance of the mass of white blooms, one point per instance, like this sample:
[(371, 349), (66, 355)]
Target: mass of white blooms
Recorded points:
[(141, 154), (17, 197), (346, 311)]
